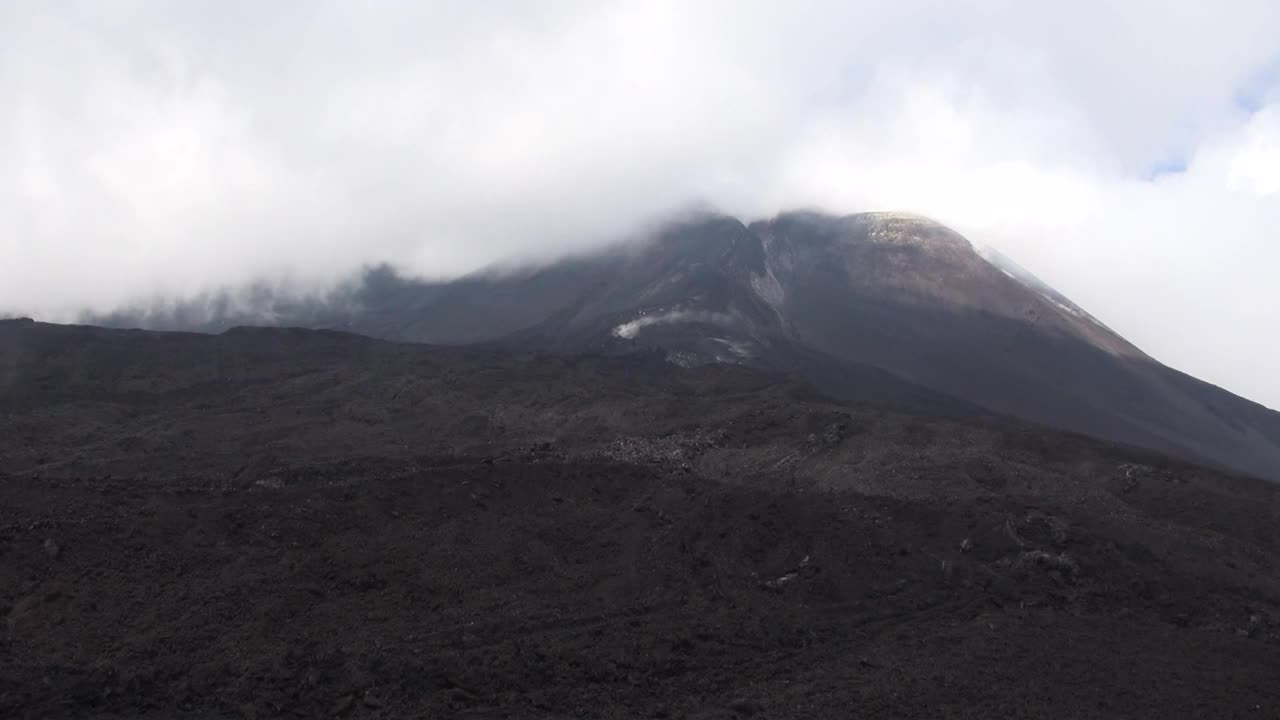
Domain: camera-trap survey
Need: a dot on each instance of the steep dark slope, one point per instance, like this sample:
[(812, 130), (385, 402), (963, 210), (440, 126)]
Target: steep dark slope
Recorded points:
[(905, 294), (873, 307)]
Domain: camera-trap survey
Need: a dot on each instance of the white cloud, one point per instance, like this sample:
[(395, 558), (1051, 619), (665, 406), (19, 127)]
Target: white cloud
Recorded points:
[(156, 147)]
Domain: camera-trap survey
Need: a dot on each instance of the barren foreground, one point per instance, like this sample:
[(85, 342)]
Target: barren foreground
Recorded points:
[(286, 524)]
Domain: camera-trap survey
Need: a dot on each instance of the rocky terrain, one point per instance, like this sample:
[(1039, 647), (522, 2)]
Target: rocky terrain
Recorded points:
[(876, 307), (289, 523)]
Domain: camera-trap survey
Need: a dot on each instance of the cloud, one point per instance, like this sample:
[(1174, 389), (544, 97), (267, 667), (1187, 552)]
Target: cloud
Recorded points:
[(1125, 152)]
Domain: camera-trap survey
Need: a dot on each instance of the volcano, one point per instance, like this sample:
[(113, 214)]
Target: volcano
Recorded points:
[(873, 307)]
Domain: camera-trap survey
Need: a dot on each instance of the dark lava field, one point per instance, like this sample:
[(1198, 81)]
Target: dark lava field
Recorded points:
[(278, 523)]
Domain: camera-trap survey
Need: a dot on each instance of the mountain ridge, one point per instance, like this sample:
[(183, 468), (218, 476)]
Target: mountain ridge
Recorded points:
[(847, 302)]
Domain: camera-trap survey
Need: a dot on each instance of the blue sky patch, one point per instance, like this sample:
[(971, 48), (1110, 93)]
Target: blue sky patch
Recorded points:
[(1261, 87)]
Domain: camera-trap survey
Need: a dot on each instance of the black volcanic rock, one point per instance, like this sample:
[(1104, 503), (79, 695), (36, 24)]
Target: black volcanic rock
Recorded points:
[(876, 307), (279, 522)]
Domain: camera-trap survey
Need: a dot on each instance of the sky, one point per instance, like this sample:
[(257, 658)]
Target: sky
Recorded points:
[(1128, 153)]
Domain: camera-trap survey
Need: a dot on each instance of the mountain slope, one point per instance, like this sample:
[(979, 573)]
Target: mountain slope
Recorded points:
[(872, 307), (908, 295), (282, 523)]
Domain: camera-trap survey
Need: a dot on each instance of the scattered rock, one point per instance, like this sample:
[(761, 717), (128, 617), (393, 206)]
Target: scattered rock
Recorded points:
[(462, 696), (342, 705), (1041, 560), (52, 549), (1037, 529), (777, 583), (834, 434), (806, 565)]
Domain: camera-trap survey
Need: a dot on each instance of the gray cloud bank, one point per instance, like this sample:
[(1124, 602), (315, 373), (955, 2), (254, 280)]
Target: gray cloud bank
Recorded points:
[(1128, 153)]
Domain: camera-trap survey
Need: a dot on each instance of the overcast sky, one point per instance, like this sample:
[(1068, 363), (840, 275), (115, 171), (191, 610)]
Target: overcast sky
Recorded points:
[(1126, 152)]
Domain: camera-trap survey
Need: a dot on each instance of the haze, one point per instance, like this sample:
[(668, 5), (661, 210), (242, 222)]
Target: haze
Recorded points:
[(1127, 153)]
